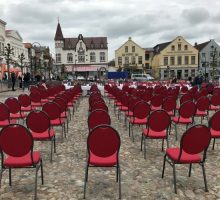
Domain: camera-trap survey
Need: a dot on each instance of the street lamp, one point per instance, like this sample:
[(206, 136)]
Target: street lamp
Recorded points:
[(8, 53)]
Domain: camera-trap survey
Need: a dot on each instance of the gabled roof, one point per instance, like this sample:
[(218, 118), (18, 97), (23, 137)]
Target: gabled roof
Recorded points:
[(13, 33), (201, 46), (90, 42), (159, 47), (59, 34)]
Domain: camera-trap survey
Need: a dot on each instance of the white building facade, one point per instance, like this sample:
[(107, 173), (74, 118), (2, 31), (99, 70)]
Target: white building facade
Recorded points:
[(82, 55)]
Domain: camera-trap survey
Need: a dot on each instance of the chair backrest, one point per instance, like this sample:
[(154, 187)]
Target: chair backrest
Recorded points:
[(195, 140), (203, 103), (103, 141), (99, 105), (13, 105), (169, 104), (159, 120), (156, 100), (98, 117), (185, 97), (61, 102), (187, 109), (24, 100), (35, 97), (4, 112), (38, 121), (16, 141), (141, 109), (52, 109), (214, 121), (215, 100)]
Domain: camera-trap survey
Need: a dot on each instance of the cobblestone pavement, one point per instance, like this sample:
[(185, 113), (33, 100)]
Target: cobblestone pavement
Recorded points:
[(141, 179)]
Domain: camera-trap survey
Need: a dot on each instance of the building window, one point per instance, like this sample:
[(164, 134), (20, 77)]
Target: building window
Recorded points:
[(58, 58), (165, 61), (186, 47), (139, 59), (126, 49), (186, 73), (147, 56), (172, 73), (101, 45), (173, 48), (165, 75), (133, 60), (81, 56), (193, 60), (126, 60), (193, 72), (147, 65), (102, 56), (179, 47), (92, 57), (133, 48), (119, 60), (179, 60), (186, 60), (172, 60), (69, 57)]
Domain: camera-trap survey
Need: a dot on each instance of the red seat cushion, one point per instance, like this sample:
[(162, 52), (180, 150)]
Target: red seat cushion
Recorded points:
[(155, 108), (18, 115), (103, 161), (214, 107), (36, 104), (63, 115), (129, 114), (44, 100), (23, 161), (171, 113), (57, 122), (173, 153), (6, 122), (138, 121), (26, 109), (44, 135), (201, 113), (181, 120), (124, 108), (154, 135), (214, 133)]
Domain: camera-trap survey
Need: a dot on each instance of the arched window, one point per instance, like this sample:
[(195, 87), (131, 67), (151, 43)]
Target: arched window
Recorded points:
[(92, 57), (69, 57)]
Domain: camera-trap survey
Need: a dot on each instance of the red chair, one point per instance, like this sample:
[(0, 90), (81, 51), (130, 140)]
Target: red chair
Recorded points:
[(98, 117), (194, 142), (15, 108), (202, 106), (214, 102), (140, 112), (186, 97), (156, 102), (16, 144), (186, 115), (35, 99), (99, 105), (158, 125), (38, 123), (25, 102), (54, 112), (5, 116), (103, 144), (169, 105), (214, 127)]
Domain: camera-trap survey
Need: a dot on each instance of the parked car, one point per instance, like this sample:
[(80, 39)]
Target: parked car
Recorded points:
[(142, 77), (80, 78)]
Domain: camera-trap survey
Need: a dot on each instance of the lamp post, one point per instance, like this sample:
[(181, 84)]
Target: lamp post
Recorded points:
[(21, 58), (37, 51), (8, 53)]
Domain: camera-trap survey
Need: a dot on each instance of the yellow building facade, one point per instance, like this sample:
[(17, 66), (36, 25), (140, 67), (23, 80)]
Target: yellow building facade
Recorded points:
[(130, 57), (177, 58)]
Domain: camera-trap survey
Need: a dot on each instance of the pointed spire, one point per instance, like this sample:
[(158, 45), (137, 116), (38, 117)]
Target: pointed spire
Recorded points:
[(59, 34)]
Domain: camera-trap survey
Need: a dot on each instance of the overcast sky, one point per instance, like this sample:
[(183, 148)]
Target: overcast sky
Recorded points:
[(147, 22)]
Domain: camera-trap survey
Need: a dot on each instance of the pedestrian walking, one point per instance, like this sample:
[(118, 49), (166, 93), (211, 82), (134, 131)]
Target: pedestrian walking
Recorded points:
[(13, 79)]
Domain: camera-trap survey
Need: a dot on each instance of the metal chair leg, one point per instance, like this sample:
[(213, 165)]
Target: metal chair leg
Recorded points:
[(42, 172), (190, 168), (144, 148), (119, 176), (35, 189), (164, 165), (174, 178), (176, 130), (51, 151), (142, 137), (204, 176), (54, 144), (213, 146), (162, 145), (85, 182), (10, 176)]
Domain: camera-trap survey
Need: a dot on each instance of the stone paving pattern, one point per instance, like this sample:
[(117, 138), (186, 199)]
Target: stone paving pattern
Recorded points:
[(141, 179)]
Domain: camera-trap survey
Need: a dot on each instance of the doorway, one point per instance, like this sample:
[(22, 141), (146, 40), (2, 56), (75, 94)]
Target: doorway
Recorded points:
[(179, 74)]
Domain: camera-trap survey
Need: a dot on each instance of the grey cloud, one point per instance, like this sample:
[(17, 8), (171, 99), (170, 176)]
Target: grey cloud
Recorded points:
[(196, 15)]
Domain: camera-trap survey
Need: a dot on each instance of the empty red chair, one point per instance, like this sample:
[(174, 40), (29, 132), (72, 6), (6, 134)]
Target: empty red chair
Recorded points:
[(38, 122), (5, 116), (214, 102), (157, 127), (193, 146), (169, 105), (98, 117), (202, 106), (25, 102), (214, 125), (16, 144), (103, 144), (186, 115)]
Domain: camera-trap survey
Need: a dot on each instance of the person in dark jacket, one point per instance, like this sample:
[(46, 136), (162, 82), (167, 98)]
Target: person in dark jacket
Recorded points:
[(13, 79)]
